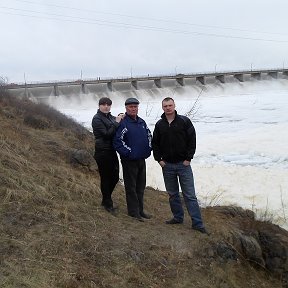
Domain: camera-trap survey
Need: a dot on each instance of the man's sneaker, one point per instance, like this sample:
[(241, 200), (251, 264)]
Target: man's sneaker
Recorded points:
[(174, 221), (145, 216), (202, 230)]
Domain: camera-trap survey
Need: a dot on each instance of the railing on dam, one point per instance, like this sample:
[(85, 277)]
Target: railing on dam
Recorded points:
[(200, 78)]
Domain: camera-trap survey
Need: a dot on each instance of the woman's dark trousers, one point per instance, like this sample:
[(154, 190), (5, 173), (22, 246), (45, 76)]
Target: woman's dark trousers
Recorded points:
[(108, 167)]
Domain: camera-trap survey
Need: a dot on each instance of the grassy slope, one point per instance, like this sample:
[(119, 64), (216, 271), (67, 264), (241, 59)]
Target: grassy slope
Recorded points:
[(53, 232)]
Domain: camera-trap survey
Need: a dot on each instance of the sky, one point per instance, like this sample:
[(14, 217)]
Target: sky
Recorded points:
[(69, 40)]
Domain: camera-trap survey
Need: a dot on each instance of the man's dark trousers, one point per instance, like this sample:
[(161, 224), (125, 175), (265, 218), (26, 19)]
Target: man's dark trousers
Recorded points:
[(108, 167), (134, 175)]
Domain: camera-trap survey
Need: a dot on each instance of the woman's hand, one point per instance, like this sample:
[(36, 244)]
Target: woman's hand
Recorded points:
[(119, 117), (162, 163)]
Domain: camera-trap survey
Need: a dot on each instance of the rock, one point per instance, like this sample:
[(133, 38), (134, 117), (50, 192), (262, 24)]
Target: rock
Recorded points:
[(262, 243), (84, 158), (251, 249), (226, 251), (275, 250)]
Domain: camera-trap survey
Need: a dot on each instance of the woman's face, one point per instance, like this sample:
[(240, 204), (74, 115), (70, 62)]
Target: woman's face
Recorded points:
[(105, 108)]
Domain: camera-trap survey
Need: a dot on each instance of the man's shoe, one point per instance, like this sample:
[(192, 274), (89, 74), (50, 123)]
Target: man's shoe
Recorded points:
[(202, 230), (137, 217), (140, 219), (174, 221), (145, 216)]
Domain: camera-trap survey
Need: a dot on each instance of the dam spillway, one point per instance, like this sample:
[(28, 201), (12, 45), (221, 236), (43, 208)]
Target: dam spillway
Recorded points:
[(86, 86)]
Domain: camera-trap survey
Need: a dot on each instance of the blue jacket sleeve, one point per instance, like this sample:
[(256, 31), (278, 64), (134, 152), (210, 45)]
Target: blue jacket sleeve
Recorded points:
[(120, 141)]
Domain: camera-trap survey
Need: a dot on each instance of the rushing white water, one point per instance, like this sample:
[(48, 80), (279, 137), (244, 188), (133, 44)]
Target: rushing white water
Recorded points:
[(242, 139)]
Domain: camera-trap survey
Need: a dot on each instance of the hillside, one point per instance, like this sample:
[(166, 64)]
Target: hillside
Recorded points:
[(54, 233)]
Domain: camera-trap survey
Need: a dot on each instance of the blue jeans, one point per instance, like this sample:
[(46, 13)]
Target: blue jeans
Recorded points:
[(171, 173)]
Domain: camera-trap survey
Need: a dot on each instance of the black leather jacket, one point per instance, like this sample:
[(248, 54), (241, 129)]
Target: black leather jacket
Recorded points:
[(104, 128), (174, 142)]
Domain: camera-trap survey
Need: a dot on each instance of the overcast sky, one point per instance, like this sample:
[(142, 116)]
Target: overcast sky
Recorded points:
[(64, 39)]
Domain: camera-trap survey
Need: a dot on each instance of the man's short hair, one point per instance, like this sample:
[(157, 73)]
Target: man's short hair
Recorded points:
[(167, 99)]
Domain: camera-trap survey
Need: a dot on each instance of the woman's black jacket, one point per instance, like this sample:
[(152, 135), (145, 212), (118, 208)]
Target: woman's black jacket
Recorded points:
[(104, 128)]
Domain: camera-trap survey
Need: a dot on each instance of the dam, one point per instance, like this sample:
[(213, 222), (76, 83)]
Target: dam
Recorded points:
[(100, 86)]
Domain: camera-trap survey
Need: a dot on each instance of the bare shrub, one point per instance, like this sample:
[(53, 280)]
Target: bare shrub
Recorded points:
[(193, 110), (3, 90), (36, 122), (39, 115)]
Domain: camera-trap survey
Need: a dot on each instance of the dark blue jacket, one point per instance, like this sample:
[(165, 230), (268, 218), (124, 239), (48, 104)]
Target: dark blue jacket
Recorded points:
[(133, 139)]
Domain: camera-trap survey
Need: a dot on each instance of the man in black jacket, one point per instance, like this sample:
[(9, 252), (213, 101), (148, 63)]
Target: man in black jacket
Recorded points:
[(104, 128), (174, 145)]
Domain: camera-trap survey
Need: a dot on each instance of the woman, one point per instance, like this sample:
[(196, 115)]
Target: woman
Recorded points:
[(104, 128)]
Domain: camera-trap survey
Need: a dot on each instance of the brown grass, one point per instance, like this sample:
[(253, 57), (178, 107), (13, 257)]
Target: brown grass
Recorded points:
[(54, 232)]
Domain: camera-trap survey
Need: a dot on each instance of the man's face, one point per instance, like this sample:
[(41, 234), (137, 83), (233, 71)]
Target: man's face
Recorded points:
[(168, 107), (132, 110), (105, 108)]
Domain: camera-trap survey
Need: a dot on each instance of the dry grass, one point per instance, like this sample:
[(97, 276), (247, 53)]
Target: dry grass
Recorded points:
[(54, 232)]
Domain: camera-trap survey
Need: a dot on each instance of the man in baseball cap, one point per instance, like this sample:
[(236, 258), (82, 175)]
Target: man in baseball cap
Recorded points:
[(131, 101), (133, 143)]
